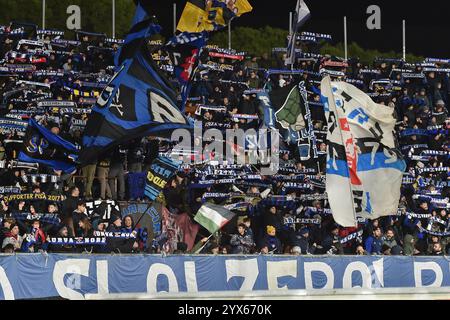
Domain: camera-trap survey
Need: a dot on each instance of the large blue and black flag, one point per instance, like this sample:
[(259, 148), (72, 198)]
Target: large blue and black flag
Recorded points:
[(138, 101), (184, 51), (46, 148)]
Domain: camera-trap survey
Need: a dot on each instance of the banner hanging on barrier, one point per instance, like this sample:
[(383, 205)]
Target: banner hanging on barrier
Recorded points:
[(73, 277)]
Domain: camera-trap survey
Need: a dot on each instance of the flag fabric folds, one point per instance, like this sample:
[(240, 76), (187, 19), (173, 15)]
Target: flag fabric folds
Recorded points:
[(289, 106), (364, 168), (138, 101), (161, 171), (287, 109), (140, 31), (189, 228), (184, 51), (302, 14), (210, 15), (46, 148), (213, 217)]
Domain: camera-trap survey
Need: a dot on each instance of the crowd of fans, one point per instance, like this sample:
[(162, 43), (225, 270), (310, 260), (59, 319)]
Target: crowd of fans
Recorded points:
[(288, 213)]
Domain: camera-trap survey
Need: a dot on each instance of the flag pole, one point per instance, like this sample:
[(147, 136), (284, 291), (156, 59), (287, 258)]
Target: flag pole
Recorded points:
[(43, 14), (345, 38), (291, 34), (404, 40), (174, 18), (290, 23), (145, 212), (206, 242), (114, 19), (229, 34)]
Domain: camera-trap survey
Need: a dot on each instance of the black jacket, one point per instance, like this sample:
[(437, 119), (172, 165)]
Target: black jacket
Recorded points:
[(118, 245), (69, 206)]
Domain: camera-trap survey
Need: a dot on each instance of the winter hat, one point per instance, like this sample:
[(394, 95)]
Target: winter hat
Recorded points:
[(396, 251), (270, 229), (304, 231), (114, 218)]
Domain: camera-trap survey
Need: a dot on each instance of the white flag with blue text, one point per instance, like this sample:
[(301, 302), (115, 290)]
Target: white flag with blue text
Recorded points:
[(364, 168)]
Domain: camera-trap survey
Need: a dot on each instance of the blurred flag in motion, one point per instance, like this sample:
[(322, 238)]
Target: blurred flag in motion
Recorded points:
[(184, 51)]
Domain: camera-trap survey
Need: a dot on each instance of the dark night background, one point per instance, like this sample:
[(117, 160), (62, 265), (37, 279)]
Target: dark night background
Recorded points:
[(427, 23)]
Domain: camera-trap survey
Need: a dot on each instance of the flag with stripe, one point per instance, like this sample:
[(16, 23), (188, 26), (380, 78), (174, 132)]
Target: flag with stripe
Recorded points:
[(161, 171), (184, 51), (364, 167), (213, 217), (140, 31), (139, 100)]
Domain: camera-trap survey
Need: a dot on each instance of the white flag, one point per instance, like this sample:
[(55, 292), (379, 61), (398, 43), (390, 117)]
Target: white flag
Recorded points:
[(364, 169), (302, 14)]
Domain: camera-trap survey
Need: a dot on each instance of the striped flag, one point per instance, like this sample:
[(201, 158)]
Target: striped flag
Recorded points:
[(364, 168), (213, 217), (161, 171), (302, 14)]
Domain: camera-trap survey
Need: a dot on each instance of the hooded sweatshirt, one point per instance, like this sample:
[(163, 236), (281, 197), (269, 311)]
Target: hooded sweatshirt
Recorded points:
[(408, 247)]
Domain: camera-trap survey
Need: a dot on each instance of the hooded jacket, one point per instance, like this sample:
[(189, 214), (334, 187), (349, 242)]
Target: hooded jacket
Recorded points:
[(408, 245), (119, 245)]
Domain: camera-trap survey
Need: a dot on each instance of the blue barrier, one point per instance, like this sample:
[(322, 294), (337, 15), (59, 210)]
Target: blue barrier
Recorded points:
[(26, 276)]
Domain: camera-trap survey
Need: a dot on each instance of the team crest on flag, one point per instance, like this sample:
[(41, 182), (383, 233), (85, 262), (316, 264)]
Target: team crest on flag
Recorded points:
[(210, 15)]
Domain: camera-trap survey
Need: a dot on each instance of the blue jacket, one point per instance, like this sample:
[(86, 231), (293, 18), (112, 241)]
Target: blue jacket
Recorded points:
[(273, 244), (373, 245)]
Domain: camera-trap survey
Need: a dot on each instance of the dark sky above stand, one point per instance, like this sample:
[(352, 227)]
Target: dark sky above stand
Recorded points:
[(427, 23)]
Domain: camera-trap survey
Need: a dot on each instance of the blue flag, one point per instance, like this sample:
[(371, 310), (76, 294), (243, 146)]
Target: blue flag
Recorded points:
[(161, 171), (139, 101), (46, 148), (140, 31)]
